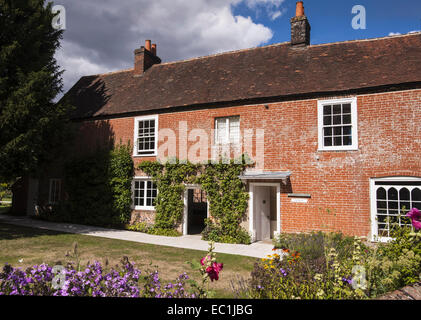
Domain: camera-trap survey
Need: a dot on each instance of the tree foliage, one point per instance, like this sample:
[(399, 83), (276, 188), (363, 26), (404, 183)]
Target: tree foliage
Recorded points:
[(98, 188), (30, 121)]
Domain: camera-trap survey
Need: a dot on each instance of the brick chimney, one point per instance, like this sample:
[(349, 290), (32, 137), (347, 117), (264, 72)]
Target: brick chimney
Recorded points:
[(300, 27), (144, 58)]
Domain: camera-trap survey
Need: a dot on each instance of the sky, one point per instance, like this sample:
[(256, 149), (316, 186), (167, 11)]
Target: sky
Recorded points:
[(101, 35)]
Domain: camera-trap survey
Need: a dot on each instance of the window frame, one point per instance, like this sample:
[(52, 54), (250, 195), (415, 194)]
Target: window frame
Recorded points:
[(227, 130), (144, 207), (354, 124), (373, 200), (136, 136), (51, 198)]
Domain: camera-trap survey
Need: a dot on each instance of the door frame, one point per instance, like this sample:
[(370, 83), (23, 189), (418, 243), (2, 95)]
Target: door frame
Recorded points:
[(252, 217), (186, 206)]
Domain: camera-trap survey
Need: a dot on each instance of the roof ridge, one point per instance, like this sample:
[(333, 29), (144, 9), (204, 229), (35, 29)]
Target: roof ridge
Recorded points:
[(110, 72), (226, 52), (409, 34)]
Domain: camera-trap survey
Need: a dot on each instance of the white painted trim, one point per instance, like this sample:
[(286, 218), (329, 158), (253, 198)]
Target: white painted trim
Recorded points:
[(354, 124), (252, 185), (135, 135), (143, 208), (373, 202), (186, 205)]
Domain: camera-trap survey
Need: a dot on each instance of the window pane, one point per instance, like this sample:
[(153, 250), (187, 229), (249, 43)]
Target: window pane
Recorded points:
[(392, 194), (347, 141), (381, 205), (328, 142), (337, 131), (381, 193), (337, 141), (336, 119), (346, 119), (327, 110), (337, 109), (416, 194), (221, 131), (347, 130), (328, 131), (234, 129), (404, 194), (346, 108), (327, 120)]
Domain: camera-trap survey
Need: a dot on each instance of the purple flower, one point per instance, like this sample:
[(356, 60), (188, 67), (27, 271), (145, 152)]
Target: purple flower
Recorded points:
[(347, 280)]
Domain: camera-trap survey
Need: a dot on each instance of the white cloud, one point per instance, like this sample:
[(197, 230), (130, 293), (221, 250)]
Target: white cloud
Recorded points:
[(77, 61), (272, 7), (394, 34), (101, 35)]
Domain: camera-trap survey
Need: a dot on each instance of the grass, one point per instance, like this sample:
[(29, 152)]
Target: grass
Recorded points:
[(36, 246)]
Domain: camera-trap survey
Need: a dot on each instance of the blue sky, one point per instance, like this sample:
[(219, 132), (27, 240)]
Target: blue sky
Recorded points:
[(331, 20)]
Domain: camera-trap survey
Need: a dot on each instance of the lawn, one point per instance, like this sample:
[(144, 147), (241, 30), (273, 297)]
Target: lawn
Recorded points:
[(36, 246)]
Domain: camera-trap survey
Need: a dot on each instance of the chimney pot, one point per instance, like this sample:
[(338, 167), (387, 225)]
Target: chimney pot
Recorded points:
[(154, 48), (148, 45), (299, 11)]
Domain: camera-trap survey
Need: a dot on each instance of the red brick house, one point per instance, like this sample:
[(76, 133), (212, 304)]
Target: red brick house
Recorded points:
[(335, 128)]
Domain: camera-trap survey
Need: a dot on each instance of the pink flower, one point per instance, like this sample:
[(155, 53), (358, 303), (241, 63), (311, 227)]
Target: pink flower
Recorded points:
[(415, 215), (203, 260)]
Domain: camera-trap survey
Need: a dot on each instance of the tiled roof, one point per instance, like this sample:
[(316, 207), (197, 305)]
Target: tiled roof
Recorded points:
[(272, 71)]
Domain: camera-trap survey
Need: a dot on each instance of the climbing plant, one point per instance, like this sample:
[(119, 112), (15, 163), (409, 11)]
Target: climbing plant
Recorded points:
[(225, 191), (169, 179), (228, 201)]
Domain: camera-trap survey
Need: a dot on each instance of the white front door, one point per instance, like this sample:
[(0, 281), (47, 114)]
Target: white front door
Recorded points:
[(262, 212)]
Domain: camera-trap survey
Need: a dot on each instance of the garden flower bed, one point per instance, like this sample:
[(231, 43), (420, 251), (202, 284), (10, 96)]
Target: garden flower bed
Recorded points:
[(333, 266)]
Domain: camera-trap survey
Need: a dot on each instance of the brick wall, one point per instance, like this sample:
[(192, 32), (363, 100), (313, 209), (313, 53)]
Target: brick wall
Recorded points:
[(389, 134)]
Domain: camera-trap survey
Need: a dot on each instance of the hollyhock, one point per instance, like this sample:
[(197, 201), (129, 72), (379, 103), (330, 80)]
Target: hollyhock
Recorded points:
[(214, 270), (415, 215)]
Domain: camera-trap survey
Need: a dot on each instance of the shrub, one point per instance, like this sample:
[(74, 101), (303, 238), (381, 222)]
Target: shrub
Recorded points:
[(164, 232), (98, 188), (213, 232), (140, 227)]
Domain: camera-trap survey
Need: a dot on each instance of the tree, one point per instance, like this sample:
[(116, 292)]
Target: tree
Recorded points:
[(31, 123)]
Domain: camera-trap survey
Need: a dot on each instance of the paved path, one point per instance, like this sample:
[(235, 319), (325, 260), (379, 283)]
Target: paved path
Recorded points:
[(257, 249)]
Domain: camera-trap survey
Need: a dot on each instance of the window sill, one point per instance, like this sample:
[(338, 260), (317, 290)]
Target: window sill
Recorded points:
[(338, 150), (144, 155), (144, 208)]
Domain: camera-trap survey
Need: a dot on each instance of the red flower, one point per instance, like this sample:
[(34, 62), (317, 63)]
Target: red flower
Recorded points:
[(214, 270)]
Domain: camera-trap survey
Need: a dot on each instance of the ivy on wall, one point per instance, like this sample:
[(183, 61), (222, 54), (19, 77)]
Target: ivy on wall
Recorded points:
[(228, 201), (225, 191), (169, 179)]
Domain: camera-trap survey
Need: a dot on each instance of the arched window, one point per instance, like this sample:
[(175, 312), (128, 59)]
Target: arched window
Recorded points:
[(391, 198)]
